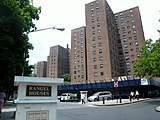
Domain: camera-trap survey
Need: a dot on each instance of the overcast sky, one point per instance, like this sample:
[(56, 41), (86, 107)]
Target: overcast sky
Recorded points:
[(70, 14)]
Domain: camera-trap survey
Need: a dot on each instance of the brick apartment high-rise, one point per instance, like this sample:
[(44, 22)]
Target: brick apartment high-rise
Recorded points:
[(112, 42), (131, 40), (41, 69), (101, 42), (58, 62), (78, 55)]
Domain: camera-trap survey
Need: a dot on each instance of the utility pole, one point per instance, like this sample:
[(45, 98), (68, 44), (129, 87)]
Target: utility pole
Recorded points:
[(60, 29)]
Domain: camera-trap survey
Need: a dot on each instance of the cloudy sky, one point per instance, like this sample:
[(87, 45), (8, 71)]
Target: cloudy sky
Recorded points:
[(70, 14)]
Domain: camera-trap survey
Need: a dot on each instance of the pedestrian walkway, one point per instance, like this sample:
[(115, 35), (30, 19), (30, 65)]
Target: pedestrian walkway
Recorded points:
[(115, 102), (8, 111)]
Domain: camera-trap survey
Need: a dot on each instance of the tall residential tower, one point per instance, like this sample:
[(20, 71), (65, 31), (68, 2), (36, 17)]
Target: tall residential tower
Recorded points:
[(112, 43), (101, 42), (78, 55), (58, 62)]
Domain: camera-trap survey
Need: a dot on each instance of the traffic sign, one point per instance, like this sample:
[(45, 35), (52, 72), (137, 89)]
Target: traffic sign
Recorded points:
[(116, 84)]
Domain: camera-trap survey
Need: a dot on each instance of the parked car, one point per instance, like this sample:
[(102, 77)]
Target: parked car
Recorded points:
[(106, 95), (70, 97)]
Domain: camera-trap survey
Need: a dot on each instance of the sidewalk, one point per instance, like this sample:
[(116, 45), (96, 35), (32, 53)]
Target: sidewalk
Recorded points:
[(158, 109), (115, 102), (8, 111)]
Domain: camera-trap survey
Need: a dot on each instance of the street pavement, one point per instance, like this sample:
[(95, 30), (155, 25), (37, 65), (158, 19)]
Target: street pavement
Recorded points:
[(9, 108)]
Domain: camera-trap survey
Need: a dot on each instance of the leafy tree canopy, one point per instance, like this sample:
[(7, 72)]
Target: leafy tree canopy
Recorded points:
[(15, 23), (67, 78), (148, 64)]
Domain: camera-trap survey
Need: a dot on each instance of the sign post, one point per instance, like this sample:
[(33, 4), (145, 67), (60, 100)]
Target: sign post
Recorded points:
[(116, 85), (37, 98)]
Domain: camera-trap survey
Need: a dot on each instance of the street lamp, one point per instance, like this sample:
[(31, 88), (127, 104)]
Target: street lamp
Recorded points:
[(61, 29)]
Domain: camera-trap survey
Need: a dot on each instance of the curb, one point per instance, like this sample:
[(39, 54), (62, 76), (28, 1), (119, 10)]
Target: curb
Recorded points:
[(158, 109), (119, 103)]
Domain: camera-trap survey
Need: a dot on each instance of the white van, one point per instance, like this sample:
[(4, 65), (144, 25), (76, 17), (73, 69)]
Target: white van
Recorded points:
[(68, 97), (106, 95)]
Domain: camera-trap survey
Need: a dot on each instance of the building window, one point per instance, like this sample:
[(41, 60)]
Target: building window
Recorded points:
[(98, 31), (98, 18), (129, 32), (92, 10), (124, 34), (93, 26), (137, 49), (100, 58), (95, 74), (135, 37), (82, 56), (131, 49), (94, 38), (98, 25), (95, 66), (126, 51), (101, 65), (92, 20), (99, 37), (82, 61), (101, 73), (122, 18), (134, 31), (94, 52), (130, 38), (100, 44), (94, 59), (136, 43), (123, 28), (133, 26), (128, 70), (127, 57), (132, 56), (124, 39), (127, 63), (94, 45), (131, 15), (121, 13), (100, 51), (93, 32), (122, 23), (92, 14), (97, 13), (132, 21), (128, 27)]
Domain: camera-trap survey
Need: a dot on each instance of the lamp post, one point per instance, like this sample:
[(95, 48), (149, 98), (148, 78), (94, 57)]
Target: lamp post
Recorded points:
[(60, 29)]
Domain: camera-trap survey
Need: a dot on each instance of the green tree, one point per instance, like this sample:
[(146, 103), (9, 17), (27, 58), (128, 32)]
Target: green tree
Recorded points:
[(67, 78), (148, 64), (16, 21)]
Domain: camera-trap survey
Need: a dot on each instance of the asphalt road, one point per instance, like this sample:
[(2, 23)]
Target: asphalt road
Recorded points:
[(136, 111)]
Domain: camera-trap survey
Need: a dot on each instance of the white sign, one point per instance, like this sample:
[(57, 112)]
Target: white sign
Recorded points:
[(144, 81)]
